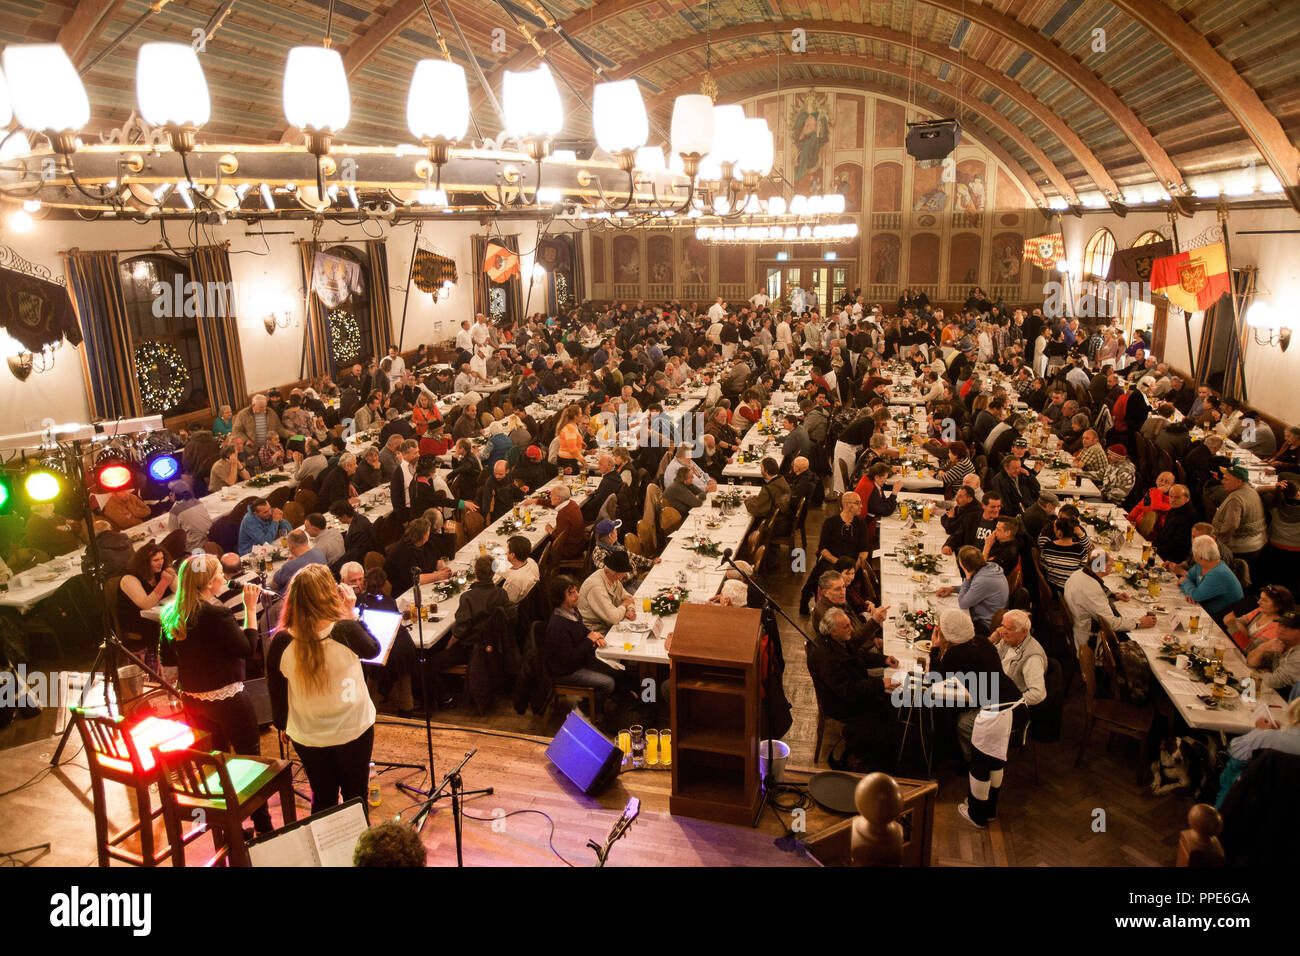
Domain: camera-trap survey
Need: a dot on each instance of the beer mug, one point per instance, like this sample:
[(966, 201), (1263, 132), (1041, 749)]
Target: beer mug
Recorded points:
[(1153, 588), (1128, 533), (925, 513), (1062, 480), (625, 744), (902, 510), (652, 748), (1146, 553), (1194, 623), (665, 748)]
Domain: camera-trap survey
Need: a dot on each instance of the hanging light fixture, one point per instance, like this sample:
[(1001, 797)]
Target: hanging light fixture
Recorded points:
[(172, 91), (6, 108), (620, 122), (728, 137), (316, 98), (533, 110), (437, 107), (47, 92), (692, 130)]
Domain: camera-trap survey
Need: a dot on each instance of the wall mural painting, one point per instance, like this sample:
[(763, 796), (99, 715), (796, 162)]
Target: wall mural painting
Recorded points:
[(929, 192), (923, 259), (848, 121), (964, 260), (885, 250), (1010, 193), (887, 188), (695, 261), (731, 264), (627, 259), (889, 124), (971, 187), (848, 183), (1005, 265), (810, 131), (598, 273), (659, 255)]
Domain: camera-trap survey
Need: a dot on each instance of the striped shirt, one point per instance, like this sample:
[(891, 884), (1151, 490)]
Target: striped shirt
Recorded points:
[(1059, 561), (952, 477)]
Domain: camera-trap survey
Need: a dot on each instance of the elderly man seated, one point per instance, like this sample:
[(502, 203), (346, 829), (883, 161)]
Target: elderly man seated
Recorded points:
[(1209, 582), (1121, 475), (848, 691), (602, 600)]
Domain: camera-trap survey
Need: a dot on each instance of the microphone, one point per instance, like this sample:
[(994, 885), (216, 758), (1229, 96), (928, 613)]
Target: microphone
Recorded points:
[(726, 558), (415, 583)]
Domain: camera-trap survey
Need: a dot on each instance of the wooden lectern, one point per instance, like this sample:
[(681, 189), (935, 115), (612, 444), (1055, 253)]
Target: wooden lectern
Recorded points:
[(715, 713)]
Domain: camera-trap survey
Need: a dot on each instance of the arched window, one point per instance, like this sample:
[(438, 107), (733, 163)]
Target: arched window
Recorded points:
[(349, 322), (1147, 238), (163, 309), (1097, 255)]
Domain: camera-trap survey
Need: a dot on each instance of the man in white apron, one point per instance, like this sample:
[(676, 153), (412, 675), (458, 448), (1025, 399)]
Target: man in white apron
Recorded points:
[(998, 709)]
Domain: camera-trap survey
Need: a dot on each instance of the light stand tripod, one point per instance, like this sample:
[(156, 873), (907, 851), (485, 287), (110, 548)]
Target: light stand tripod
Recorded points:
[(111, 651), (389, 765), (769, 781), (458, 795)]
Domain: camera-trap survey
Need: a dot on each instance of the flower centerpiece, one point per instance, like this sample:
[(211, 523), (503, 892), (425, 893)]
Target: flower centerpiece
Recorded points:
[(922, 622), (917, 560), (668, 601), (450, 587), (1097, 521), (510, 524), (704, 546), (769, 428), (266, 480), (732, 499)]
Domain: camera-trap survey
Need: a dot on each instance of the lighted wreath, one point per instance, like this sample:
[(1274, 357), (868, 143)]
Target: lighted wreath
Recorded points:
[(163, 376), (345, 336)]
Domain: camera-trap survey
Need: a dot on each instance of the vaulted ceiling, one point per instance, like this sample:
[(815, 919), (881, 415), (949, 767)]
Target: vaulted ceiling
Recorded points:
[(1084, 95)]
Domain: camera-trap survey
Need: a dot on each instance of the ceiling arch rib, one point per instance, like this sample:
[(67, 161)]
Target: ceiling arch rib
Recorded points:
[(78, 34), (1028, 39), (1240, 98), (991, 116), (1039, 110), (871, 86)]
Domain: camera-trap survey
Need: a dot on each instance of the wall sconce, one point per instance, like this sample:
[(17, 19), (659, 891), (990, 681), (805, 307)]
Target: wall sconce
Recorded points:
[(1268, 327), (23, 362), (277, 320), (21, 366)]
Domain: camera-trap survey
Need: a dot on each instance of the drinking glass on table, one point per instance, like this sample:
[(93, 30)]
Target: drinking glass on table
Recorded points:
[(625, 743), (638, 743), (665, 748), (1153, 587), (652, 748), (1194, 624)]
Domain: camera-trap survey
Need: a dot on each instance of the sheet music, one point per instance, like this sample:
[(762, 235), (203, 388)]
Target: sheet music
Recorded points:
[(335, 836), (293, 848)]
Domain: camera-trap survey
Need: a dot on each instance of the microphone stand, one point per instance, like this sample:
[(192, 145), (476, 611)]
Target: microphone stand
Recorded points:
[(458, 794), (769, 782), (428, 730)]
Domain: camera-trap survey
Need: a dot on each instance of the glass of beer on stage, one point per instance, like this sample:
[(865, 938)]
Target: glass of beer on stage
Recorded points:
[(638, 745), (1128, 533), (625, 744), (652, 748)]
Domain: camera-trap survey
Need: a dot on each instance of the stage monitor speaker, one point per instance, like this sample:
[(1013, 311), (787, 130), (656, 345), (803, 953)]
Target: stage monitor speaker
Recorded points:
[(934, 139), (584, 755), (261, 697)]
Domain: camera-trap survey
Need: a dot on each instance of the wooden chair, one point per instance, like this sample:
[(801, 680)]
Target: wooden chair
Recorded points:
[(633, 544), (372, 560), (306, 498), (280, 495), (1115, 716), (821, 724), (114, 755), (561, 563), (174, 545), (670, 519), (225, 790), (1148, 524), (576, 690), (486, 419), (211, 547), (800, 518), (294, 514), (648, 536)]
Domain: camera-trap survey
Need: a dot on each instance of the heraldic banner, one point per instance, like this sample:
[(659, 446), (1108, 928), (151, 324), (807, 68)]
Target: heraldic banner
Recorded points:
[(1134, 265), (500, 263), (1044, 251), (35, 312), (430, 271), (334, 279), (1192, 280)]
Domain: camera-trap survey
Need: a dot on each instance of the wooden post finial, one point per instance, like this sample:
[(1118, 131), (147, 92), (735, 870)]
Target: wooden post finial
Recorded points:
[(1199, 846), (877, 835)]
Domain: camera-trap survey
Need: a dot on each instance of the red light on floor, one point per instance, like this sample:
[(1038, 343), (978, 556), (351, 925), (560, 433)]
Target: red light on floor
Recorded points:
[(161, 733), (114, 477)]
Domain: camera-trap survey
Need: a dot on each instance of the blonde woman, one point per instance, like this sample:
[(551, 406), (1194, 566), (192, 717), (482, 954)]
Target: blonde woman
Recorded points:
[(210, 651), (319, 699), (572, 446)]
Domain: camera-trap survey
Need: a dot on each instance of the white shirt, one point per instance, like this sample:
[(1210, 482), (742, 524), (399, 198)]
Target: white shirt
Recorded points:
[(714, 334), (784, 337), (759, 300), (1077, 376), (465, 340), (1085, 600), (517, 582), (396, 369), (480, 333), (717, 312)]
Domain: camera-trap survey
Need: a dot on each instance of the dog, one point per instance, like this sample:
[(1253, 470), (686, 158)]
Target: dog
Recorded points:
[(1184, 764)]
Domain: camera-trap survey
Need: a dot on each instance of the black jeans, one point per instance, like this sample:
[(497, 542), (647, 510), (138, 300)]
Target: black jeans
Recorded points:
[(341, 768), (232, 725)]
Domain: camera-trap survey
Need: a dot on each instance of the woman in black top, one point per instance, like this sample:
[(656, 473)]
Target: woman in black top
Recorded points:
[(570, 646), (210, 650), (145, 584)]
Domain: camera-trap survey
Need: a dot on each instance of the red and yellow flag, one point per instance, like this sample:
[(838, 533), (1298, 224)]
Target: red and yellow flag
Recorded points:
[(500, 263), (1044, 251), (1192, 280)]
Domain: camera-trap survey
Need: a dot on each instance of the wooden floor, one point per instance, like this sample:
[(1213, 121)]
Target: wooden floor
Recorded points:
[(1096, 815)]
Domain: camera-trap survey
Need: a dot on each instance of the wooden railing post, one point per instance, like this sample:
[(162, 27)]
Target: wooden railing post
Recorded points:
[(877, 834), (1199, 846)]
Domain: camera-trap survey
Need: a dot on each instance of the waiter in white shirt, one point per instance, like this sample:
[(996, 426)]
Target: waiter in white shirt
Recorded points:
[(398, 366), (464, 338), (717, 311), (759, 300), (481, 333)]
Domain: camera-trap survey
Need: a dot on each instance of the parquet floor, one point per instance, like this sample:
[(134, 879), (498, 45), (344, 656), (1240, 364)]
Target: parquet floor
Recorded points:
[(1095, 815)]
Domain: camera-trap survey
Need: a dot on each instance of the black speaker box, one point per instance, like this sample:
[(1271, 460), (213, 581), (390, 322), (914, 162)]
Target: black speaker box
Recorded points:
[(261, 696), (584, 755), (934, 139)]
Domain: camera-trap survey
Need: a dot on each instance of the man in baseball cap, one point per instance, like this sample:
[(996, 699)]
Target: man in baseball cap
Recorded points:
[(607, 545)]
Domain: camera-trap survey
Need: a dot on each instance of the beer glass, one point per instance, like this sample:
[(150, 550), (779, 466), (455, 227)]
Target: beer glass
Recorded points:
[(652, 748), (665, 748)]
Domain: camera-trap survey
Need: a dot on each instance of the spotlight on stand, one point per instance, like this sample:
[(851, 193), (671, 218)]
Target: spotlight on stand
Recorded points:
[(113, 470), (6, 493), (933, 140), (160, 463), (44, 482)]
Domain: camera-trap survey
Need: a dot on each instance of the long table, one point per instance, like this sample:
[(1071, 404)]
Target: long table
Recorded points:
[(642, 640)]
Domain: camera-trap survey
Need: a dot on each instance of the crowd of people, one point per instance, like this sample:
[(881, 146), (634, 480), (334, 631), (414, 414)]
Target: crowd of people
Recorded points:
[(1120, 413)]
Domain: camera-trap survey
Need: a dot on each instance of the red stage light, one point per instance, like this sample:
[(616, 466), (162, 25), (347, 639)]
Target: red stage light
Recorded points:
[(114, 477)]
